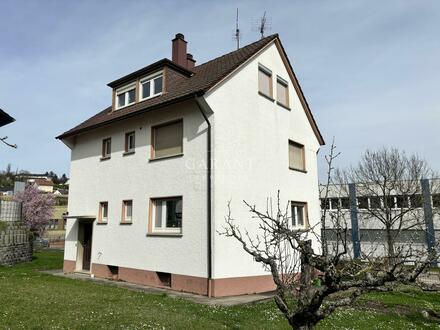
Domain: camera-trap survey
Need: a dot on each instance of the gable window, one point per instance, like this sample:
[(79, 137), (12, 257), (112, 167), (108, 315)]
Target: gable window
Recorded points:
[(167, 215), (103, 212), (298, 210), (125, 96), (127, 211), (296, 156), (129, 142), (167, 140), (106, 148), (265, 81), (152, 86), (282, 92)]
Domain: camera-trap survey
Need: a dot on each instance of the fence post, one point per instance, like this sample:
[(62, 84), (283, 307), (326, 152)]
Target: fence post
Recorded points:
[(428, 215), (354, 221)]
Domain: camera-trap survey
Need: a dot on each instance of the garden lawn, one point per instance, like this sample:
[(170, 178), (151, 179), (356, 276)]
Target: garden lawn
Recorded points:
[(30, 299)]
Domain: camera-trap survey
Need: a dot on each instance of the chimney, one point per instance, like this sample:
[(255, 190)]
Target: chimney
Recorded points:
[(190, 61), (179, 50)]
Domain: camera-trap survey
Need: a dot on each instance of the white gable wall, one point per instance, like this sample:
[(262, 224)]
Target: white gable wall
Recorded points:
[(250, 153), (135, 177)]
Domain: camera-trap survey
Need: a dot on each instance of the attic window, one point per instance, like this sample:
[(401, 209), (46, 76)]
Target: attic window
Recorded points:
[(152, 86), (125, 96)]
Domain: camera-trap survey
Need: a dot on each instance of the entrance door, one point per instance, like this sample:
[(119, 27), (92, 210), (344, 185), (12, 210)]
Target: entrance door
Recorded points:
[(87, 245), (85, 231)]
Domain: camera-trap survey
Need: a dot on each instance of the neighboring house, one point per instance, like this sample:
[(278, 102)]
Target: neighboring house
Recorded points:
[(366, 233), (43, 184), (152, 174), (5, 119)]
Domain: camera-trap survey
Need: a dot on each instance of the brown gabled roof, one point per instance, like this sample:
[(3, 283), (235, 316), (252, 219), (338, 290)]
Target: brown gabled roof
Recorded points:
[(181, 87)]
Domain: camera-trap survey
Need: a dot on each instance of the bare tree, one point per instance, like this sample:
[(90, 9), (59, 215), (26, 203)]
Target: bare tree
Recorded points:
[(309, 285), (388, 182)]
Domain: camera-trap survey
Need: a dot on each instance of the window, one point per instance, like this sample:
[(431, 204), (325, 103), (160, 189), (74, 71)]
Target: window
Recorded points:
[(416, 201), (129, 142), (265, 81), (363, 202), (298, 210), (296, 156), (345, 203), (335, 203), (325, 203), (167, 140), (127, 211), (125, 96), (389, 202), (167, 215), (282, 92), (152, 86), (436, 200), (402, 202), (106, 148), (103, 212), (375, 202)]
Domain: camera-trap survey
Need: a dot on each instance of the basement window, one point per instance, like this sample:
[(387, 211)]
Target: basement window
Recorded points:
[(125, 96), (152, 86)]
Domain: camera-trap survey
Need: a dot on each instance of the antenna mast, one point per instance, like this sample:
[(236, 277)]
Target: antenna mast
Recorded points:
[(262, 27), (237, 32)]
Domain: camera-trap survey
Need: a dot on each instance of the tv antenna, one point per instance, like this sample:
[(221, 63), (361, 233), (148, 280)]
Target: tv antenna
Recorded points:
[(237, 31), (262, 25)]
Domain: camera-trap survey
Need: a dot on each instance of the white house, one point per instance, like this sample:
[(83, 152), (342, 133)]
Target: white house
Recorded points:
[(151, 175)]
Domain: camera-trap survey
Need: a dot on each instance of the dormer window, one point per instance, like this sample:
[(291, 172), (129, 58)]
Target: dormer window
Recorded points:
[(125, 96), (152, 86)]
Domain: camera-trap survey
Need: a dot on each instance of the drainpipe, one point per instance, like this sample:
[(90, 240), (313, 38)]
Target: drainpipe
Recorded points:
[(204, 107)]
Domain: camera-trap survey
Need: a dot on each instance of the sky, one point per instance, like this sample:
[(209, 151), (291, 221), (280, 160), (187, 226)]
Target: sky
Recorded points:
[(369, 69)]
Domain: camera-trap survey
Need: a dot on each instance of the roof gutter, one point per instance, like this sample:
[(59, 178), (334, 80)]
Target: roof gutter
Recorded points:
[(204, 110)]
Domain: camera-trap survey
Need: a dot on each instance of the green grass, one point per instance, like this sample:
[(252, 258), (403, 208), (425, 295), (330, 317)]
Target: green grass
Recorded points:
[(30, 299)]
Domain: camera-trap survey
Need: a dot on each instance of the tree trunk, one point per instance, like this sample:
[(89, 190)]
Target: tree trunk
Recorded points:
[(390, 244)]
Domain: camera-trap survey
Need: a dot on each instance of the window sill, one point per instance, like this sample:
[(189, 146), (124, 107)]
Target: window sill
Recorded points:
[(104, 158), (266, 96), (165, 157), (126, 223), (101, 223), (297, 170), (165, 234), (284, 106), (128, 153)]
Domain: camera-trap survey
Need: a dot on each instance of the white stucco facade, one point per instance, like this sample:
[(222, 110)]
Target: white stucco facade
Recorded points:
[(251, 135), (250, 139)]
